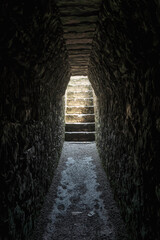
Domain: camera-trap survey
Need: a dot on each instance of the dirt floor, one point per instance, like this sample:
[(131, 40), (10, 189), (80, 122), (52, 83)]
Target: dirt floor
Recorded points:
[(80, 204)]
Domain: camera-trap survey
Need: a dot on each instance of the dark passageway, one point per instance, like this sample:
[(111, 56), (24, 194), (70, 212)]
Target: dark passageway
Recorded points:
[(116, 44)]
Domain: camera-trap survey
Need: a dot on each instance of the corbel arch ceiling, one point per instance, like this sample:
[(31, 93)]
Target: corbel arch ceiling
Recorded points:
[(79, 20)]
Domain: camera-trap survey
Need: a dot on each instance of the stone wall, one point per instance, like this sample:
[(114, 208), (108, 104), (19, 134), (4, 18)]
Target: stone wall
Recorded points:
[(34, 73), (124, 71)]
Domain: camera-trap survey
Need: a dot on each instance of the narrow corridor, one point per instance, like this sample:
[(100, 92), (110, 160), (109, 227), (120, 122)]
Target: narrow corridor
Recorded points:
[(44, 44), (78, 205)]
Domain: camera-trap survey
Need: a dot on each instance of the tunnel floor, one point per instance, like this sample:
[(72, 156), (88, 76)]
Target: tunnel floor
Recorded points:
[(79, 204)]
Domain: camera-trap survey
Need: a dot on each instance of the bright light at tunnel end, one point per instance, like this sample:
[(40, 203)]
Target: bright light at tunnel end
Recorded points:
[(77, 77)]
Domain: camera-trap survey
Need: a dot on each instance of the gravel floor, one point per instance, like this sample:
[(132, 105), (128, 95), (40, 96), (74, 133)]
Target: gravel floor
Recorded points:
[(79, 204)]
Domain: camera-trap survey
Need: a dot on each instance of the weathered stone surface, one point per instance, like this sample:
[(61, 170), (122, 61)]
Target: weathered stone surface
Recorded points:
[(34, 75), (124, 71), (80, 80), (80, 94), (83, 110), (80, 127), (77, 41), (79, 72), (79, 62), (79, 88), (76, 35), (84, 52), (79, 20), (79, 28), (80, 102), (79, 58), (79, 10), (79, 46), (73, 3), (79, 110), (80, 136), (79, 118)]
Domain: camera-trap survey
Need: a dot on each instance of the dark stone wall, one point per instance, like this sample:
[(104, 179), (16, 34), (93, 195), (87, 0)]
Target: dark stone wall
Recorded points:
[(34, 73), (124, 71)]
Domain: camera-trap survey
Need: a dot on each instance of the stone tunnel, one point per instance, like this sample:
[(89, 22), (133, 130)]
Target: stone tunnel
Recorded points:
[(117, 45)]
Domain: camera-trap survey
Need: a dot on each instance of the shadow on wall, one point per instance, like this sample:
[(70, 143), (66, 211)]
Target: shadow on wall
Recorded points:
[(34, 76), (124, 72)]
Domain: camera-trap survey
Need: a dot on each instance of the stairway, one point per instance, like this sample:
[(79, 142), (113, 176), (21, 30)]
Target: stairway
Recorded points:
[(80, 119)]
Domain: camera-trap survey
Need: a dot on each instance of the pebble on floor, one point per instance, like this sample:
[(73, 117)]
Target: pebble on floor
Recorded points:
[(79, 204)]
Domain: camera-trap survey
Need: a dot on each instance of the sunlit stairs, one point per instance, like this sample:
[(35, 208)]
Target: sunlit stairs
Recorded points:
[(80, 118)]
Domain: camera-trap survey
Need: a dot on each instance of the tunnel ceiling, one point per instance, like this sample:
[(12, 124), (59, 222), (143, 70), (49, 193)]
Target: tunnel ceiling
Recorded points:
[(79, 18)]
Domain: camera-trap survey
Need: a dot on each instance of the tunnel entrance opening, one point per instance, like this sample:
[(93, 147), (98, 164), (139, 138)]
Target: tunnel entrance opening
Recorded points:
[(79, 110)]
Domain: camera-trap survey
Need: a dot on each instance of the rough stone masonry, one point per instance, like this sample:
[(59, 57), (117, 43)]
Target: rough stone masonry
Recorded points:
[(115, 43)]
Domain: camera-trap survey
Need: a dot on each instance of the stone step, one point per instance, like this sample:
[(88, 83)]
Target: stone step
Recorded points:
[(80, 94), (82, 110), (80, 127), (81, 80), (79, 102), (72, 118), (73, 88), (79, 136)]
